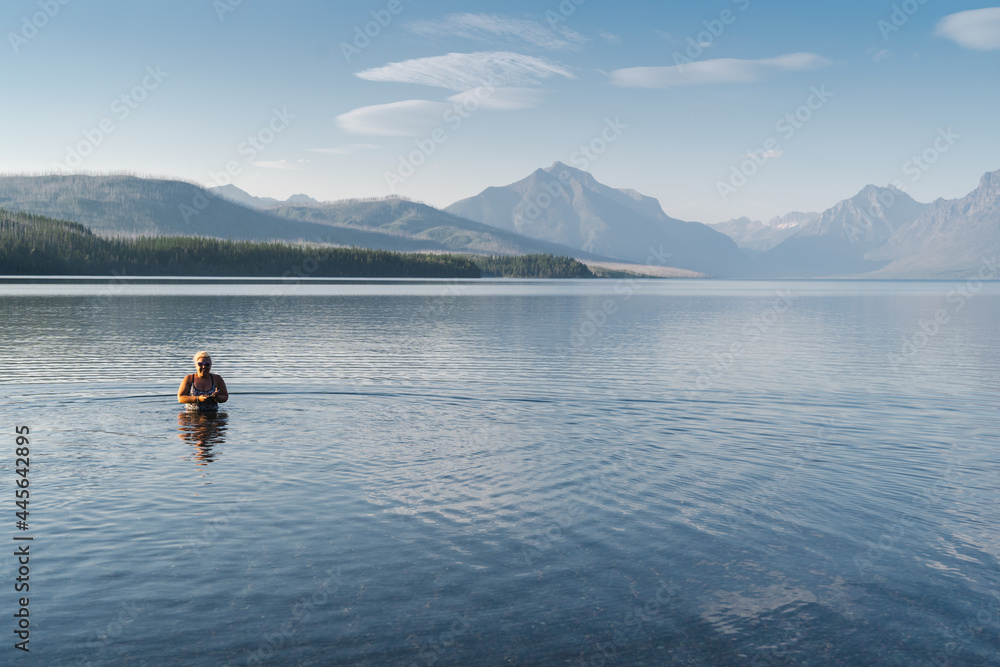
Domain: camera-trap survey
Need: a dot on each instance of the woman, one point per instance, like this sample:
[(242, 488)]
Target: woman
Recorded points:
[(203, 391)]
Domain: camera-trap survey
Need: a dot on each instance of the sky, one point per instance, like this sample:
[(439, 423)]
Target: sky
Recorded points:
[(718, 109)]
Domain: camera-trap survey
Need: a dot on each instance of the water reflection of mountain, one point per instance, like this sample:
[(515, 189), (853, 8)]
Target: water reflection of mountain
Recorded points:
[(203, 430)]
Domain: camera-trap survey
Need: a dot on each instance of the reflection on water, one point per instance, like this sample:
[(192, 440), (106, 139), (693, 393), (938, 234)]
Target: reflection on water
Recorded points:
[(493, 474), (203, 431)]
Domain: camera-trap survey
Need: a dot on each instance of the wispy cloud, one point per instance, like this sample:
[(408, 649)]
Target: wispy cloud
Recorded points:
[(465, 71), (723, 70), (610, 38), (409, 118), (499, 99), (977, 29), (349, 149), (493, 27)]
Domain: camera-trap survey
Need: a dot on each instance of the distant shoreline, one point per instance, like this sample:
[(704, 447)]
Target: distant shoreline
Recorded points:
[(641, 270)]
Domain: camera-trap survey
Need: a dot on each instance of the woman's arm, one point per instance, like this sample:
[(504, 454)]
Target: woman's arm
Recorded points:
[(221, 392), (183, 392)]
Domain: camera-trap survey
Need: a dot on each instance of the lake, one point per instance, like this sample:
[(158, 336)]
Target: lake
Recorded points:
[(506, 472)]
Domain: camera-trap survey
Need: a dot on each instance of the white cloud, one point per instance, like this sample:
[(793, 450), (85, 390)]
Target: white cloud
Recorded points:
[(349, 149), (610, 38), (278, 164), (487, 27), (499, 99), (465, 71), (977, 29), (723, 70), (409, 118)]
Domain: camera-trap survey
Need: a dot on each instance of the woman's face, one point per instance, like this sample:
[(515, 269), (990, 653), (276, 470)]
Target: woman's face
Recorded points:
[(204, 365)]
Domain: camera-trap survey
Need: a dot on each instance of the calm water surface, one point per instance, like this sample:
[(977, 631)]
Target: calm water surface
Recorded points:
[(527, 473)]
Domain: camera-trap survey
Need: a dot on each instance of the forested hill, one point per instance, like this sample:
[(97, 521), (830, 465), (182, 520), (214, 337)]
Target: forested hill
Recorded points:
[(36, 245), (532, 266)]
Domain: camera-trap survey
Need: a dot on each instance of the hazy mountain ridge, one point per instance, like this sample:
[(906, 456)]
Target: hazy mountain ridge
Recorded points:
[(564, 205), (235, 194), (838, 242), (131, 206), (879, 232), (762, 236), (422, 224), (950, 238), (884, 233)]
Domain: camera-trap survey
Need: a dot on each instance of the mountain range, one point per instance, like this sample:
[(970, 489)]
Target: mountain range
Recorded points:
[(882, 233), (756, 237), (121, 205), (564, 205), (840, 240), (233, 193), (950, 237), (879, 232)]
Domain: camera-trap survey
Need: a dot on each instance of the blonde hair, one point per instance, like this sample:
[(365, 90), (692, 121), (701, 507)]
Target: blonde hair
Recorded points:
[(202, 355)]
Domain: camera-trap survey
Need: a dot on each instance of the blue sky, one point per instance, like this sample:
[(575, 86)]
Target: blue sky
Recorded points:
[(718, 109)]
